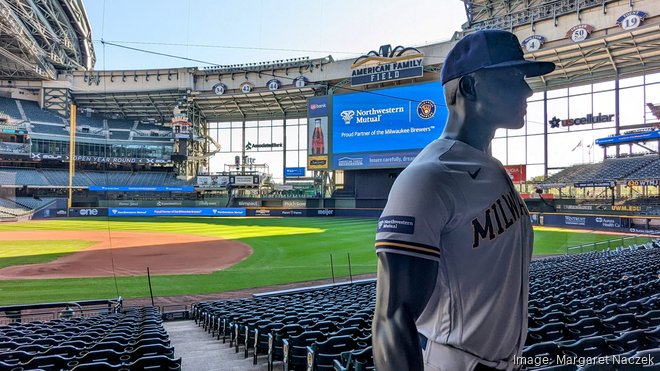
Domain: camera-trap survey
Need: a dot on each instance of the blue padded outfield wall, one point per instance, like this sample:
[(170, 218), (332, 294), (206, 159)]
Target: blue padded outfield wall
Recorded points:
[(614, 223), (595, 222), (163, 211), (116, 212)]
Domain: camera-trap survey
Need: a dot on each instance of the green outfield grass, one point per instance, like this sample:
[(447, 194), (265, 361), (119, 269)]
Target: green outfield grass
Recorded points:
[(285, 250), (32, 252)]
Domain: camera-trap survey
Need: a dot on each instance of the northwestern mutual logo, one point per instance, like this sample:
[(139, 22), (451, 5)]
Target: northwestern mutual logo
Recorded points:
[(365, 116), (347, 116), (387, 65)]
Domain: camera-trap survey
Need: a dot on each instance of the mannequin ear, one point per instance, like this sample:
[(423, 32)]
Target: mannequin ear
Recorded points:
[(467, 88)]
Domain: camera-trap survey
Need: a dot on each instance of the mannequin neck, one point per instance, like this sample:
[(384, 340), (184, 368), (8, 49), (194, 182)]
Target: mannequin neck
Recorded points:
[(473, 131)]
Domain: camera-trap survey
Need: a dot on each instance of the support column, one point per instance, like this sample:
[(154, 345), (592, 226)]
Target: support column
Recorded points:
[(617, 120), (545, 133), (284, 151)]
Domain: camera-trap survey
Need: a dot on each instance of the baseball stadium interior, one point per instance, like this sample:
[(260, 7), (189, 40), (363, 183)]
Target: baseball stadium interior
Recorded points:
[(285, 139)]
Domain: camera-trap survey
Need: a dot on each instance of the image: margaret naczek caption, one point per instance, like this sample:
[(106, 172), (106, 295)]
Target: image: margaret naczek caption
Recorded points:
[(583, 361)]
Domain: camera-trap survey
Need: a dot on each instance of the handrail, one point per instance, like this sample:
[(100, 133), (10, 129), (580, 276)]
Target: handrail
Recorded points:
[(569, 249)]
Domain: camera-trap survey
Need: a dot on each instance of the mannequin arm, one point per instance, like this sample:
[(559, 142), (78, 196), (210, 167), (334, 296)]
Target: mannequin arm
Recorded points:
[(405, 284)]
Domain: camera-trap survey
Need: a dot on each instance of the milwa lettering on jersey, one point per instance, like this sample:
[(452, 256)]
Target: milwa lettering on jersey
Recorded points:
[(496, 217)]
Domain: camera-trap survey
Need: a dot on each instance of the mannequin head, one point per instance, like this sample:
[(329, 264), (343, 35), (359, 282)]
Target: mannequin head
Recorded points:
[(482, 102), (485, 88)]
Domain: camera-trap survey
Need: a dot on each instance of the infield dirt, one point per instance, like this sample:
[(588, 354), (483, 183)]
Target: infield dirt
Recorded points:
[(128, 254)]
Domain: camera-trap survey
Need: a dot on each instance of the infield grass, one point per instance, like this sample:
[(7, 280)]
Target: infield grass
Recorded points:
[(285, 250), (34, 252)]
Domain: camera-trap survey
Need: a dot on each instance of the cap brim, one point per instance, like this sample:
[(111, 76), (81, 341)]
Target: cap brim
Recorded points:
[(529, 68)]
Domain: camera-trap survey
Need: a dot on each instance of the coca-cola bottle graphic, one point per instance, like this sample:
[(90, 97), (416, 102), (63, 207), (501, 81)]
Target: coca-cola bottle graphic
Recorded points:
[(318, 144)]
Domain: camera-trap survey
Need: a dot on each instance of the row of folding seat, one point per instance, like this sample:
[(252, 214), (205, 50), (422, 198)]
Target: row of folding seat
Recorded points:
[(63, 362), (597, 286), (580, 266), (276, 322), (593, 326), (294, 343), (119, 341), (610, 294), (593, 272), (578, 309), (619, 296), (630, 253)]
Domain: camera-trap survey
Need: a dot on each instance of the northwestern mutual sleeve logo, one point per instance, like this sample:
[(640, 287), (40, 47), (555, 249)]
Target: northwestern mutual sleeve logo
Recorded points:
[(387, 65), (397, 224)]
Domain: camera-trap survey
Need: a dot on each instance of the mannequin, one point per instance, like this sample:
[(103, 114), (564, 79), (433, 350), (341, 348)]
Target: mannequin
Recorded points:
[(454, 241)]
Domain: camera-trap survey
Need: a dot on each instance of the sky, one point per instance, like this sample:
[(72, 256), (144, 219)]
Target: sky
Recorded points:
[(223, 32)]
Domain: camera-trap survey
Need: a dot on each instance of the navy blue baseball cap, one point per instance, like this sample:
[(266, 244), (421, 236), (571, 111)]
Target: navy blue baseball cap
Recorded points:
[(488, 49)]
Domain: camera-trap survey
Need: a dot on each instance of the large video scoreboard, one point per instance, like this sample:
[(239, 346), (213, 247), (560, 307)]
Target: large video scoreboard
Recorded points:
[(383, 128)]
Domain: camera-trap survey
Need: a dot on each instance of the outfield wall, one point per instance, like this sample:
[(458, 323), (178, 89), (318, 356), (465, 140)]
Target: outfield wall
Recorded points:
[(84, 212), (610, 223)]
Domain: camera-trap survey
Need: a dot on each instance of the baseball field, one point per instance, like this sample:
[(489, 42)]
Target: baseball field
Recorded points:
[(78, 259)]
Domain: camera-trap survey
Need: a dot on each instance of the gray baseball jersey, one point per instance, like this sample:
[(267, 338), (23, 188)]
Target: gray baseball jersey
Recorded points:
[(456, 205)]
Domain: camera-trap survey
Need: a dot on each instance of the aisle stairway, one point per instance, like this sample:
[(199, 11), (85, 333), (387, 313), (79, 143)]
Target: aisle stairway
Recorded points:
[(201, 352)]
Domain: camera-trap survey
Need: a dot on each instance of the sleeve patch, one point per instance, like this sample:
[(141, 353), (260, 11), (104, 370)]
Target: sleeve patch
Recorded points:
[(397, 224)]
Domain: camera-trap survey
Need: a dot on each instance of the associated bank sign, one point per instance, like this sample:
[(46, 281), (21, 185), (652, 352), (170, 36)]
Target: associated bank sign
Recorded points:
[(387, 65)]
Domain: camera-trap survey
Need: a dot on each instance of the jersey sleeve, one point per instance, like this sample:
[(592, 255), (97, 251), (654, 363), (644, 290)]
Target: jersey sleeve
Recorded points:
[(415, 215)]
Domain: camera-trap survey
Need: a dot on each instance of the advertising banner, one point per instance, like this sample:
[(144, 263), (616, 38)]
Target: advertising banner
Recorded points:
[(643, 182), (248, 203), (317, 162), (294, 212), (517, 173), (317, 136), (85, 212), (103, 159), (50, 213), (264, 212), (244, 180), (629, 138), (583, 221), (144, 212), (163, 203), (294, 204), (371, 129), (290, 172), (140, 189), (352, 213), (594, 184), (643, 231), (212, 181), (617, 209), (322, 212), (318, 106), (371, 160)]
